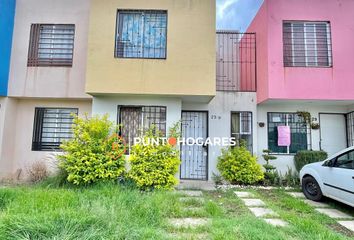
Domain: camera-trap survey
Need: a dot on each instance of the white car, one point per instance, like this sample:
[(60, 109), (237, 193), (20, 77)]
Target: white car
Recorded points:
[(333, 178)]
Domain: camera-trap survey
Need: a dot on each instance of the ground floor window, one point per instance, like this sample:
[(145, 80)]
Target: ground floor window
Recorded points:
[(350, 128), (137, 119), (51, 127), (241, 127), (299, 132)]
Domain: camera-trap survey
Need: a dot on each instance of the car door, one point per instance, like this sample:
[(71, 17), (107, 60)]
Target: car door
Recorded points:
[(338, 177)]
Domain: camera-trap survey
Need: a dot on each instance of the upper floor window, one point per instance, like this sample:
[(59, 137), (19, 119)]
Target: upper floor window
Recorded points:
[(307, 44), (51, 127), (51, 45), (141, 34)]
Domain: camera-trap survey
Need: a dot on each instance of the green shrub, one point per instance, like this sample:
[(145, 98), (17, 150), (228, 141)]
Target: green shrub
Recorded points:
[(94, 153), (237, 165), (154, 166), (304, 157), (270, 174), (289, 179)]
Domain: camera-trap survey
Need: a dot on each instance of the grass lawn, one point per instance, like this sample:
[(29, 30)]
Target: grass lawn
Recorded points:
[(112, 212)]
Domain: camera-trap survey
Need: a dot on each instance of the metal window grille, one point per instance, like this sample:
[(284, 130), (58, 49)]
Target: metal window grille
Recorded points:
[(350, 128), (307, 44), (235, 61), (299, 130), (51, 127), (241, 128), (51, 45), (136, 120), (141, 34)]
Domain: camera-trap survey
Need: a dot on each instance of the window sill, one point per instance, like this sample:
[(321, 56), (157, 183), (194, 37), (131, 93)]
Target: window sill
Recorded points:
[(308, 66), (142, 58), (283, 154)]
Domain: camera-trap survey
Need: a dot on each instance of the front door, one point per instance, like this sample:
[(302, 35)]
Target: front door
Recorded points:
[(194, 156), (333, 132)]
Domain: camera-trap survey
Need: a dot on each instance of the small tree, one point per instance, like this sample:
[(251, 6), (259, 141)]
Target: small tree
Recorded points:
[(270, 174), (237, 165)]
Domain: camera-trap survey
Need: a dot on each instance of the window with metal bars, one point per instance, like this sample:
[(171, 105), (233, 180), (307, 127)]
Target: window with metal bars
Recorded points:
[(51, 45), (299, 133), (241, 128), (307, 44), (135, 120), (51, 127), (141, 34)]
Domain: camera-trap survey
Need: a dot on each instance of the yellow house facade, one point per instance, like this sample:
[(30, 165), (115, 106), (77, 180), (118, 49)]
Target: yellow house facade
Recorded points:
[(156, 47)]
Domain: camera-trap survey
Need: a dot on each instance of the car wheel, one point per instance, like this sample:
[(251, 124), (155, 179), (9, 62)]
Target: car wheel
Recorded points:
[(311, 189)]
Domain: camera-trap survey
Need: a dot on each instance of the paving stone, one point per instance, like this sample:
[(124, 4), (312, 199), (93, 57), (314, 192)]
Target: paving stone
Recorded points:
[(347, 224), (250, 202), (297, 194), (191, 193), (261, 212), (188, 222), (193, 209), (333, 213), (316, 204), (189, 236), (276, 222), (187, 199), (244, 194)]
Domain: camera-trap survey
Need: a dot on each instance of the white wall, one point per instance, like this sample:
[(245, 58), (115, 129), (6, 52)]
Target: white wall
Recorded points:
[(109, 105), (221, 106), (284, 161)]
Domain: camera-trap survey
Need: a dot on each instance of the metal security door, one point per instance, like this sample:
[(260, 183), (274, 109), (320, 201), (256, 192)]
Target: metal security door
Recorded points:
[(194, 156)]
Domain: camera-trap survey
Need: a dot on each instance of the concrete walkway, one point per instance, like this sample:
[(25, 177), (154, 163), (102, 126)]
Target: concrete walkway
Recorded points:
[(259, 209), (342, 218), (189, 197)]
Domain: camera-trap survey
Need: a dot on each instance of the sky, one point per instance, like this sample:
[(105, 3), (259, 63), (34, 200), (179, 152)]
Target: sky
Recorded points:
[(235, 14)]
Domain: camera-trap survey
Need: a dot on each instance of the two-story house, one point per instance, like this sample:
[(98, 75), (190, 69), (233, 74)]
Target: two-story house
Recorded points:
[(304, 51), (46, 80), (148, 63), (161, 62)]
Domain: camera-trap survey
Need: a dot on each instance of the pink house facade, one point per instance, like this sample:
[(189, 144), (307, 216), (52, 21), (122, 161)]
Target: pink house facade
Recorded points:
[(304, 51)]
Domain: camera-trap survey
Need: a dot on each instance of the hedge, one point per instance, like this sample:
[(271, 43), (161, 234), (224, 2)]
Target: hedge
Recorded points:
[(305, 157)]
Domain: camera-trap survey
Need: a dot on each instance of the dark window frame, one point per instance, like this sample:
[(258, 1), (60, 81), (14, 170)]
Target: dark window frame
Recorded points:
[(37, 143), (119, 120), (250, 118), (117, 54), (33, 59), (292, 55), (288, 149)]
